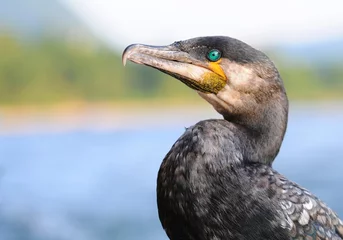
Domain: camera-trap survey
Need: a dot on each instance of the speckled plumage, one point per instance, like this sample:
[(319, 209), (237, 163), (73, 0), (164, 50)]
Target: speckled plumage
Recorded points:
[(206, 194)]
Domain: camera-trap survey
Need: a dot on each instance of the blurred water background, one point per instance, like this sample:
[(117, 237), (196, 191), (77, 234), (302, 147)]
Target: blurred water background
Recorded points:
[(82, 138)]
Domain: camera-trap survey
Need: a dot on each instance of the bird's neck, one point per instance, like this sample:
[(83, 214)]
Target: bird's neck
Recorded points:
[(262, 136)]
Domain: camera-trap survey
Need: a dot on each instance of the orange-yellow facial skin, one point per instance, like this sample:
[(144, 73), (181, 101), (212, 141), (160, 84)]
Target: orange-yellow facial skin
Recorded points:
[(216, 68), (212, 83), (215, 80)]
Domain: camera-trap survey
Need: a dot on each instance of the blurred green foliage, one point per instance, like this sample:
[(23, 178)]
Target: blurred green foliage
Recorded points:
[(50, 71)]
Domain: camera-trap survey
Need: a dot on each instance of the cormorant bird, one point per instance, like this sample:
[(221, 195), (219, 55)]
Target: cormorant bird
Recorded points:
[(217, 181)]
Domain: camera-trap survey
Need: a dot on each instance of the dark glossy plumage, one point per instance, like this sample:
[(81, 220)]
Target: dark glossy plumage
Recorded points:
[(207, 192), (217, 181)]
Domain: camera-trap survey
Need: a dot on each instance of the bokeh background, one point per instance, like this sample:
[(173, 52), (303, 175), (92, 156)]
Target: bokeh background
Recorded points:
[(82, 137)]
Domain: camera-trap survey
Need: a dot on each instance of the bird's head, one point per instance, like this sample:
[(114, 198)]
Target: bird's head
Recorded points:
[(240, 82)]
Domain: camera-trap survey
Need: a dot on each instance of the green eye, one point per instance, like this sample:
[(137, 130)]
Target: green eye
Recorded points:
[(214, 55)]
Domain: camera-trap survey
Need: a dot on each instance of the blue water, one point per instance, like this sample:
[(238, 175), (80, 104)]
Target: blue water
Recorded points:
[(101, 185)]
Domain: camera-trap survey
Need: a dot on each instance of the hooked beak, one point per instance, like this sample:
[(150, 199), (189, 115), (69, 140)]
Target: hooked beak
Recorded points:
[(177, 63)]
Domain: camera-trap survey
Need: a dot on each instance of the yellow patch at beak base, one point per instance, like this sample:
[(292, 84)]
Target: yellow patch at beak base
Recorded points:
[(216, 68)]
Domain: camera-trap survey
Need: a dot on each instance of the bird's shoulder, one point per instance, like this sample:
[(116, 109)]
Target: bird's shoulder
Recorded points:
[(306, 216)]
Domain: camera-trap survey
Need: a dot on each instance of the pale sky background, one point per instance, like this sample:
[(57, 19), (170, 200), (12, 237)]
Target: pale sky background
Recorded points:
[(259, 22)]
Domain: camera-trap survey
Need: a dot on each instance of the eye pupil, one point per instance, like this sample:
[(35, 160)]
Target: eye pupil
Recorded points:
[(214, 55)]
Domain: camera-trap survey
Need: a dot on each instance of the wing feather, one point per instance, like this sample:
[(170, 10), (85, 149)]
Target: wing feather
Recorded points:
[(306, 216)]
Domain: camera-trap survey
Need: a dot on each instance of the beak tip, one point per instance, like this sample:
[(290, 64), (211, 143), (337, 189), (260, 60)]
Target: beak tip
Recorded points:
[(124, 61), (125, 57), (128, 52)]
